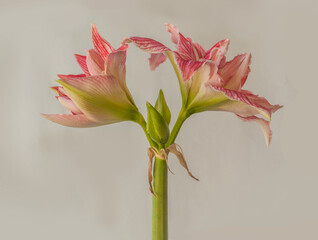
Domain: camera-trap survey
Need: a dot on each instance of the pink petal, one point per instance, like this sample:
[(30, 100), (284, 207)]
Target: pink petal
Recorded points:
[(82, 62), (188, 67), (265, 126), (154, 47), (147, 44), (94, 62), (246, 103), (102, 46), (115, 66), (59, 90), (156, 59), (69, 105), (77, 121), (186, 48), (217, 52), (174, 33), (235, 72), (71, 75)]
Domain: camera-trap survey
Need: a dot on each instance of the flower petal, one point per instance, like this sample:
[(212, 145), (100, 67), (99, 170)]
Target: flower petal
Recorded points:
[(100, 98), (246, 104), (71, 75), (235, 72), (188, 67), (82, 62), (101, 45), (59, 90), (115, 66), (69, 105), (156, 59), (186, 48), (94, 62), (154, 47), (77, 121), (147, 44), (265, 126), (217, 52), (174, 32)]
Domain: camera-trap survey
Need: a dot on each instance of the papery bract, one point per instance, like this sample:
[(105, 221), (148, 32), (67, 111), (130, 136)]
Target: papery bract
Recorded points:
[(99, 96)]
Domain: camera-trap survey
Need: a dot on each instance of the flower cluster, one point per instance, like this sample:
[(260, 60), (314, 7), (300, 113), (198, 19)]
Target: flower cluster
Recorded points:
[(208, 82)]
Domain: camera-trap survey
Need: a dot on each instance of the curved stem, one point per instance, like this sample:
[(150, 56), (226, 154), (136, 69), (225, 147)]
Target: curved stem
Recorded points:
[(177, 126)]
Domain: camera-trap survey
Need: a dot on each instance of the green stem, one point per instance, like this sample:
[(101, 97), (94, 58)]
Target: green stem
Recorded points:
[(177, 126), (160, 201)]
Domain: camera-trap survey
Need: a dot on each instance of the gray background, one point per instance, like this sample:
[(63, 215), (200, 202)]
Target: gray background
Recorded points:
[(65, 183)]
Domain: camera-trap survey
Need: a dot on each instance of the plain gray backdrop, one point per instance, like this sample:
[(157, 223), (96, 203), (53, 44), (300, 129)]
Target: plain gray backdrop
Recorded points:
[(65, 183)]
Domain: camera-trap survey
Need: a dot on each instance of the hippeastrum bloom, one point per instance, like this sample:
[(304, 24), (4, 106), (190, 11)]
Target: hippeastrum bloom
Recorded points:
[(100, 95), (207, 81)]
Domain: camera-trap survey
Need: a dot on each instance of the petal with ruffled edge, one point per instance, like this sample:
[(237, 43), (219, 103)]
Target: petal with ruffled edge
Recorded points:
[(154, 47), (245, 103), (217, 52), (94, 62), (156, 59), (77, 121), (265, 126), (234, 73), (82, 62), (186, 48), (101, 45), (100, 98)]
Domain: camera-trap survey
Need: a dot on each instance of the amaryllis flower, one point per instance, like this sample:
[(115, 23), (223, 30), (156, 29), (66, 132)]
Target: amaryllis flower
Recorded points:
[(207, 81), (100, 95)]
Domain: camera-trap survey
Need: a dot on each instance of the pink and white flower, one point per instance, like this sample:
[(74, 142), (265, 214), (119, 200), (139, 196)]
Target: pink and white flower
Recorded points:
[(207, 81), (100, 95)]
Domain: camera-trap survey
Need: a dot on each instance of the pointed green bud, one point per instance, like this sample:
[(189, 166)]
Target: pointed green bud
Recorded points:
[(157, 127), (162, 107)]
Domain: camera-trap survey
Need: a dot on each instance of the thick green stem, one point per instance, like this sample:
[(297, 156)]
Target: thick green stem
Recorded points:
[(160, 201)]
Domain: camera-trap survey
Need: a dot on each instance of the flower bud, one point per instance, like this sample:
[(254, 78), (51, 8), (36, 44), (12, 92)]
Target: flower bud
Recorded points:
[(157, 127), (162, 107)]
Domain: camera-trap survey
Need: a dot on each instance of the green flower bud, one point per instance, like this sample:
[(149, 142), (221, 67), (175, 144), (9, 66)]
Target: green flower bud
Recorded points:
[(157, 127), (162, 107)]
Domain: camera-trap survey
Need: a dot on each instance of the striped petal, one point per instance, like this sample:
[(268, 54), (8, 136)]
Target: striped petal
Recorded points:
[(217, 52), (154, 47), (235, 72), (188, 67), (94, 62), (71, 75), (147, 44), (245, 103), (100, 98), (101, 45), (82, 62), (77, 121), (115, 66), (186, 48), (265, 126), (69, 105), (59, 90)]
